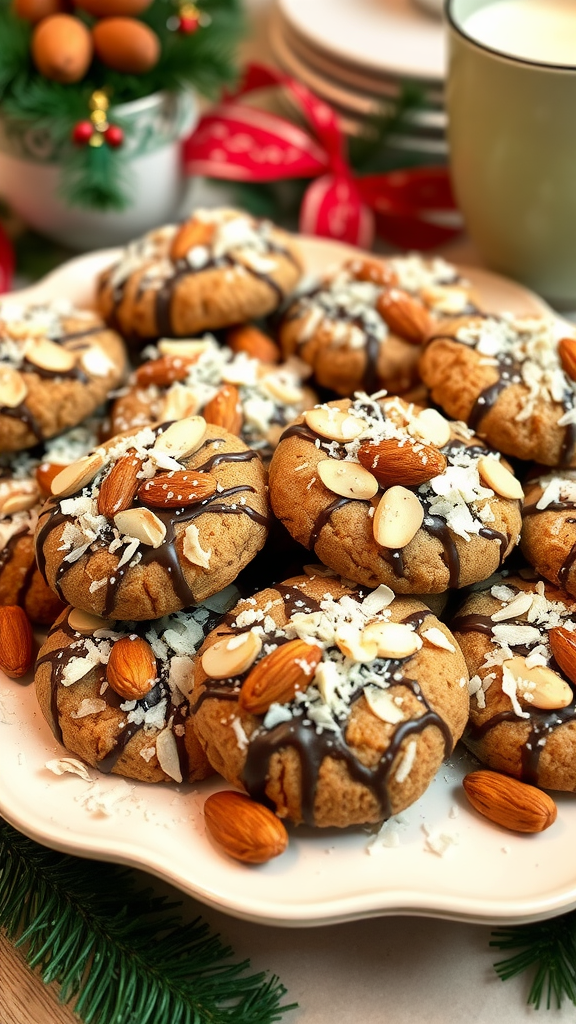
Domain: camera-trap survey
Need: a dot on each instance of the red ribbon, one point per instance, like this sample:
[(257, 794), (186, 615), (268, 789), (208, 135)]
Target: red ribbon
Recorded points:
[(6, 262), (240, 143)]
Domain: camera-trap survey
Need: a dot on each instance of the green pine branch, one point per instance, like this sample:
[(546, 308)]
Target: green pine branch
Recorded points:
[(548, 950), (121, 953)]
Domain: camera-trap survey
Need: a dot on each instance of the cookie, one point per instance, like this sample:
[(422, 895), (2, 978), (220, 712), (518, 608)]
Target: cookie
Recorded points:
[(153, 521), (219, 268), (362, 327), (150, 737), (57, 364), (332, 705), (384, 492), (549, 527), (251, 399), (504, 377), (514, 637), (20, 503)]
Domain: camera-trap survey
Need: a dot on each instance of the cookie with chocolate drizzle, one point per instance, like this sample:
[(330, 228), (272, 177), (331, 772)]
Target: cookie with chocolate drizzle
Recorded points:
[(57, 365), (153, 521), (331, 705), (362, 327), (523, 701), (503, 375), (549, 527), (150, 737), (384, 492), (252, 399), (220, 267)]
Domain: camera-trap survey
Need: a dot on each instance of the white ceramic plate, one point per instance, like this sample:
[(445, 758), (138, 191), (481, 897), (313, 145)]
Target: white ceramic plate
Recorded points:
[(389, 36), (485, 875)]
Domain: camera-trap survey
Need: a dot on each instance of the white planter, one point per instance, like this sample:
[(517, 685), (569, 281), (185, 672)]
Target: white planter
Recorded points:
[(30, 174)]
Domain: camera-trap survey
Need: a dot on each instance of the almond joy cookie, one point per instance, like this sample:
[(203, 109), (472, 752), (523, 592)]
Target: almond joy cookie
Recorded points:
[(333, 706), (116, 693), (57, 364), (549, 527), (251, 399), (519, 641), (219, 268), (362, 327), (20, 503), (511, 380), (154, 521), (385, 492)]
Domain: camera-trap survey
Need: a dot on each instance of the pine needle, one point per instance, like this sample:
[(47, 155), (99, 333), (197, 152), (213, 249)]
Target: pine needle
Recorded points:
[(119, 952), (548, 949)]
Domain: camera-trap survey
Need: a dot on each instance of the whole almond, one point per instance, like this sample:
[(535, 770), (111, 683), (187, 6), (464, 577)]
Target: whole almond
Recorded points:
[(163, 371), (119, 488), (45, 474), (225, 410), (178, 489), (245, 830), (16, 641), (398, 517), (563, 644), (254, 342), (404, 315), (131, 670), (508, 802), (406, 464), (376, 271), (567, 353), (190, 235), (279, 675)]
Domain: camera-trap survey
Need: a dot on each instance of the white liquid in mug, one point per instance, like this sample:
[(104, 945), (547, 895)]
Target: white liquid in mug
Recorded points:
[(534, 30)]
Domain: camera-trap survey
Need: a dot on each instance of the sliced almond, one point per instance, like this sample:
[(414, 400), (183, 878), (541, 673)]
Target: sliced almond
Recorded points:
[(563, 644), (382, 704), (77, 475), (347, 478), (286, 394), (405, 315), (180, 401), (508, 802), (119, 487), (279, 676), (85, 622), (392, 639), (181, 439), (437, 638), (334, 424), (540, 686), (397, 519), (167, 754), (254, 342), (47, 355), (408, 464), (355, 645), (192, 548), (192, 234), (567, 353), (431, 426), (188, 348), (447, 299), (500, 479), (232, 655), (20, 501), (141, 524), (225, 409), (13, 388), (518, 606)]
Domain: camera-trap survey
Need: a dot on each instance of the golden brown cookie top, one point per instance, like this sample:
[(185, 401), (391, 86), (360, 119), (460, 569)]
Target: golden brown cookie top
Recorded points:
[(338, 675), (137, 504)]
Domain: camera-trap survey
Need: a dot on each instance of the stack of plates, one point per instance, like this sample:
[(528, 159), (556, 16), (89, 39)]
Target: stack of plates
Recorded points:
[(358, 55)]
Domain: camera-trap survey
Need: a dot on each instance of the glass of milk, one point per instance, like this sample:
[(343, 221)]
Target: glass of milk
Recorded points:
[(511, 100)]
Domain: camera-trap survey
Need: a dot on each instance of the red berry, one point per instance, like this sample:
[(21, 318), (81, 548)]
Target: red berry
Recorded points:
[(188, 25), (82, 133), (114, 136)]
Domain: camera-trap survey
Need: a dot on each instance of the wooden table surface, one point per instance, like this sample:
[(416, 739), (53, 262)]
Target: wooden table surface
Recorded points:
[(23, 999)]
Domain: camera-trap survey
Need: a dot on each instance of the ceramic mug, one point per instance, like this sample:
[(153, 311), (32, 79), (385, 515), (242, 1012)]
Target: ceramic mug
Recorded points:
[(512, 141)]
